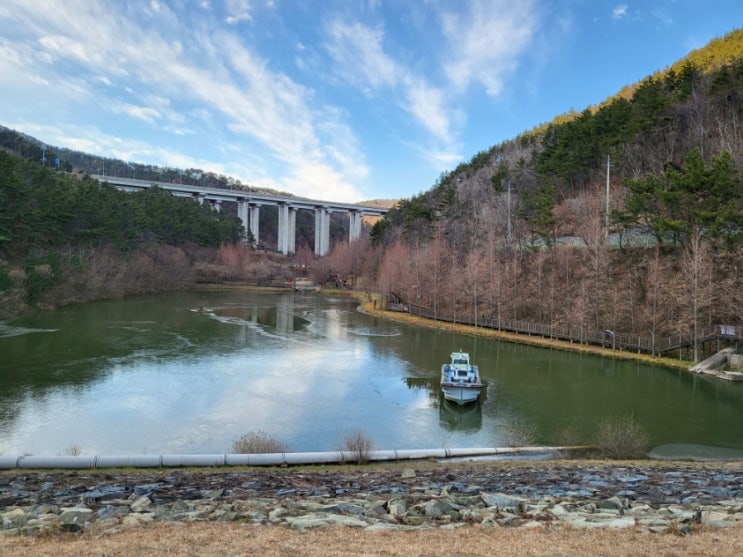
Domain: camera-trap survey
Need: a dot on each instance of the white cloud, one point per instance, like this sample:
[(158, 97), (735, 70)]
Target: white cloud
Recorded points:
[(427, 104), (147, 114), (223, 84), (237, 11), (619, 11), (486, 42), (360, 58)]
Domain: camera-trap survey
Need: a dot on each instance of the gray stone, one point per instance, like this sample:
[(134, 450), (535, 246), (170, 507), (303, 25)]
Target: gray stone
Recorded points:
[(584, 522), (137, 519), (76, 515), (397, 507), (438, 508), (275, 515), (504, 502), (141, 504), (613, 503), (309, 521)]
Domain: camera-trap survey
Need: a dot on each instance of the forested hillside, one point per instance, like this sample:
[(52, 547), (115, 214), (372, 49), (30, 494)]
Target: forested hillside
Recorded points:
[(66, 238), (520, 232), (83, 164)]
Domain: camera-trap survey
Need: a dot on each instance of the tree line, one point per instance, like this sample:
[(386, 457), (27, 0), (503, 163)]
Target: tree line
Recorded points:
[(89, 240)]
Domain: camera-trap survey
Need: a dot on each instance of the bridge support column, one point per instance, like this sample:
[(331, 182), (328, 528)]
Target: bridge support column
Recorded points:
[(287, 219), (292, 230), (254, 214), (322, 231), (354, 225), (242, 214)]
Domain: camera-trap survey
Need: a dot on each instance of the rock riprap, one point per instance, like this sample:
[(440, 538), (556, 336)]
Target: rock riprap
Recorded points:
[(414, 495)]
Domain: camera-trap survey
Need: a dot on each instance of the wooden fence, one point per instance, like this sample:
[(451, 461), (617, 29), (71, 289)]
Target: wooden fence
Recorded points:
[(608, 339)]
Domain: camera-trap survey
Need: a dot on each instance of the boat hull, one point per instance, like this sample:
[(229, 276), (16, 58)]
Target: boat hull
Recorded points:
[(461, 394)]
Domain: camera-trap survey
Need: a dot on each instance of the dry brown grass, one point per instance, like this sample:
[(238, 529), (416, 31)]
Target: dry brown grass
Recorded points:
[(219, 540)]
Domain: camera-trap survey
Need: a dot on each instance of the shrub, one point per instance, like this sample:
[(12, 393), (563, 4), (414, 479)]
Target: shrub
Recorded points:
[(621, 438), (358, 443), (257, 442)]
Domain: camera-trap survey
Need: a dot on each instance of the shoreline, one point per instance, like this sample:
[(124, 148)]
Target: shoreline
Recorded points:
[(367, 306)]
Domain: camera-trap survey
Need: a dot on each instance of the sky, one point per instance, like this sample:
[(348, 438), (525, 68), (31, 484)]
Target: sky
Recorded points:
[(340, 100)]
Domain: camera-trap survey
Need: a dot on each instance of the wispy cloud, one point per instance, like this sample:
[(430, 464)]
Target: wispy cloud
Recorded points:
[(359, 54), (147, 60), (486, 42), (361, 60), (619, 11), (147, 114), (237, 11)]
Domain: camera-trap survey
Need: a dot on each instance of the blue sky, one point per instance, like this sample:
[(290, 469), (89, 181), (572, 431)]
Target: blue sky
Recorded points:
[(330, 99)]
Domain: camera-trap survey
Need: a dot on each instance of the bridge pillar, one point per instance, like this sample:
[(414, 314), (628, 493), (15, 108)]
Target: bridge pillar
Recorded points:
[(322, 231), (354, 225), (292, 230), (254, 214), (242, 214), (286, 221)]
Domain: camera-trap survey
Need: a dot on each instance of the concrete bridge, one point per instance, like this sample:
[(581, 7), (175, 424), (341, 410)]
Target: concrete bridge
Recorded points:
[(250, 203)]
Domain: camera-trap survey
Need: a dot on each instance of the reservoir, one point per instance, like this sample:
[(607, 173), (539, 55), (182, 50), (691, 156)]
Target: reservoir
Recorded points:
[(189, 372)]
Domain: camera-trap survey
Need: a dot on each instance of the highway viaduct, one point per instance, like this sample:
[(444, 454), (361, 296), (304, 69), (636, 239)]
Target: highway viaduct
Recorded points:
[(250, 203)]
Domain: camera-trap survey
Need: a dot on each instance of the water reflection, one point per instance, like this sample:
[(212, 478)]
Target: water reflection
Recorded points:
[(189, 372), (453, 417), (280, 319)]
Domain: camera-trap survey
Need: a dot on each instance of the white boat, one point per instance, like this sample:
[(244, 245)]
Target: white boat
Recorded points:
[(460, 380)]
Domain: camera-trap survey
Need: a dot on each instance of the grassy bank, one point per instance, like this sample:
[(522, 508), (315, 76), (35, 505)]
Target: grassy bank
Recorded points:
[(217, 540)]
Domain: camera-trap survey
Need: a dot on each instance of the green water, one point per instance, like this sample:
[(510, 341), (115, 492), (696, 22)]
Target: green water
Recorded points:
[(189, 372)]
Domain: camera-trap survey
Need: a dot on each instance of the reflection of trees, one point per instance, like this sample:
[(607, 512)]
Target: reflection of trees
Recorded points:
[(280, 318), (429, 383)]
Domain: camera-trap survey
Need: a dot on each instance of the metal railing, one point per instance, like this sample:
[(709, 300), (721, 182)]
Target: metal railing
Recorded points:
[(608, 339)]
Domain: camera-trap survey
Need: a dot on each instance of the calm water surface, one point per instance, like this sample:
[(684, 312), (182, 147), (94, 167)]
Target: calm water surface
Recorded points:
[(189, 372)]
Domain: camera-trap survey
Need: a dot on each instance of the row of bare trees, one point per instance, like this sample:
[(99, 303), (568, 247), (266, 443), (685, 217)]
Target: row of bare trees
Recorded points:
[(586, 280)]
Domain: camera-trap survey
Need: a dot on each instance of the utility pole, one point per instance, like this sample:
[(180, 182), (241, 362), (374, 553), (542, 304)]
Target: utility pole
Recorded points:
[(606, 216), (508, 199)]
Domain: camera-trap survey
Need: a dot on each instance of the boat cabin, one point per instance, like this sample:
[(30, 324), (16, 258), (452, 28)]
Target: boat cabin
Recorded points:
[(460, 370)]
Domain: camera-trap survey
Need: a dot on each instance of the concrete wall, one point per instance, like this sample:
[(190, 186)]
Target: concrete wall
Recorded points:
[(735, 362)]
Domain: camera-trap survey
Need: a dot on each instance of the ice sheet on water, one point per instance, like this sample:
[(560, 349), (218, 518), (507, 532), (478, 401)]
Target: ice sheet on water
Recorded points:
[(11, 331)]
